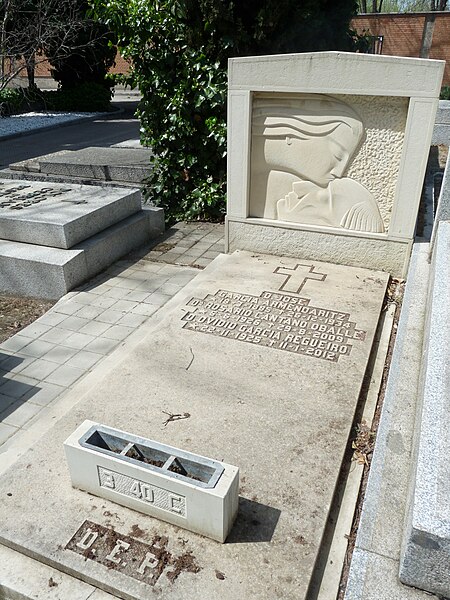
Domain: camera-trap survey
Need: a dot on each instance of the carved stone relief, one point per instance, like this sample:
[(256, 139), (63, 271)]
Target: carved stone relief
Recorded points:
[(302, 148)]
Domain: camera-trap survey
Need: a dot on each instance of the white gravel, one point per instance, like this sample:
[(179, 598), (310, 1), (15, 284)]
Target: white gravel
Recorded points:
[(37, 120)]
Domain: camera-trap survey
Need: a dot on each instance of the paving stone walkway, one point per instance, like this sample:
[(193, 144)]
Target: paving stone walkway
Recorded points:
[(43, 360)]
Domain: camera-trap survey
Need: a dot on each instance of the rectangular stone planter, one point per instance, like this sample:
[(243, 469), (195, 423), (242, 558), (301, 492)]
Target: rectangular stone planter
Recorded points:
[(179, 487)]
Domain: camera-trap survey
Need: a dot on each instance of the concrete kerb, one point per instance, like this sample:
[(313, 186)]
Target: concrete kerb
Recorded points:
[(426, 548), (375, 563), (64, 124)]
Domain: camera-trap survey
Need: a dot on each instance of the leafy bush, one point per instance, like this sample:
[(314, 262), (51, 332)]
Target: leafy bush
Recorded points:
[(11, 101), (445, 93), (88, 58), (87, 97), (179, 51)]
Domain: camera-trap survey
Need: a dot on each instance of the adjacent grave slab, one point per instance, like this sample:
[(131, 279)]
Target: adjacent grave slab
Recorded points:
[(43, 272), (59, 215), (110, 164), (425, 556), (327, 154), (263, 358)]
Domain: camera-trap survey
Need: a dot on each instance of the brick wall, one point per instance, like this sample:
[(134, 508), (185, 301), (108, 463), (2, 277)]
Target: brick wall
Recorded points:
[(402, 35), (43, 68)]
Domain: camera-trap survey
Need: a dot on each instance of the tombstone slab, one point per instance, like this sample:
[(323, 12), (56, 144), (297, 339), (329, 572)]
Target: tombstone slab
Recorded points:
[(109, 164), (44, 272), (60, 215), (264, 358)]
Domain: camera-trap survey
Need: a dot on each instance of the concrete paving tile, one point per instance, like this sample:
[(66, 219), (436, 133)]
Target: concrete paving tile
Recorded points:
[(5, 402), (73, 323), (116, 292), (183, 246), (170, 289), (98, 289), (158, 299), (59, 354), (6, 431), (16, 363), (124, 305), (37, 348), (35, 330), (45, 394), (55, 335), (39, 369), (148, 267), (142, 275), (84, 359), (51, 318), (203, 246), (19, 413), (127, 283), (192, 254), (136, 296), (153, 254), (19, 385), (183, 277), (211, 254), (149, 286), (101, 345), (65, 375), (110, 316), (202, 262), (15, 343), (144, 309), (118, 332), (67, 307), (89, 312), (95, 328), (103, 301), (171, 257), (78, 340), (132, 320), (85, 298)]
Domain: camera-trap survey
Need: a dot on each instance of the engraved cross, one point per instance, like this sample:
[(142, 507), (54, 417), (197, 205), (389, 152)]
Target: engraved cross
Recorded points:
[(296, 278)]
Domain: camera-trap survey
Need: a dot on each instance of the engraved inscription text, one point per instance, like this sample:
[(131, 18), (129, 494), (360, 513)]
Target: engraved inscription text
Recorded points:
[(276, 321), (139, 490)]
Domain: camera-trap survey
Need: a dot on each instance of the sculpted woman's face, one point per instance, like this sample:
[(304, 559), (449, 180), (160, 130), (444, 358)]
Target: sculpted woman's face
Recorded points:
[(318, 159)]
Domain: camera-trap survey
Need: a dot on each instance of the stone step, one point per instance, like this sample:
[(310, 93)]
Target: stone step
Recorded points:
[(60, 215), (263, 358), (43, 272), (108, 164)]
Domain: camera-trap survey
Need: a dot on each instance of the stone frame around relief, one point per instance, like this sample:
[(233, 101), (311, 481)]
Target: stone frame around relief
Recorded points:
[(334, 74)]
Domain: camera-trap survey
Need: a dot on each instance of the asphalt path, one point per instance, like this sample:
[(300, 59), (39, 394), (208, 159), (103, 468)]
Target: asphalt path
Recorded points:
[(104, 131)]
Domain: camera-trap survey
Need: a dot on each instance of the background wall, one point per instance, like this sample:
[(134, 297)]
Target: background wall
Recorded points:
[(402, 34)]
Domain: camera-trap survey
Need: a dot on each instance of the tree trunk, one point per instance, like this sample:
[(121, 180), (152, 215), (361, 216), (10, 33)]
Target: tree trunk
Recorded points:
[(427, 35), (31, 63)]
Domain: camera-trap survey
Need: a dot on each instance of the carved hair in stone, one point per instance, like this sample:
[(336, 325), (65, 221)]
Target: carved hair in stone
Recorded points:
[(301, 149)]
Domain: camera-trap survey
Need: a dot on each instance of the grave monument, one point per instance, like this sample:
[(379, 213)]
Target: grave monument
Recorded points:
[(327, 155), (263, 354)]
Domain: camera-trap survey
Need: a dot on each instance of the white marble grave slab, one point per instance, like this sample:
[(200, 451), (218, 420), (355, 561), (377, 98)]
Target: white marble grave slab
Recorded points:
[(262, 358)]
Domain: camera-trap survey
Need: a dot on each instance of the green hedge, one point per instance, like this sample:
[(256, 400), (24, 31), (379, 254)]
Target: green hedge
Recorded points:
[(87, 97), (179, 51)]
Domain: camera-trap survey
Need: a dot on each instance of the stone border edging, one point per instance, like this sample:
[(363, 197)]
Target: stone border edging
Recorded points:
[(425, 557)]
